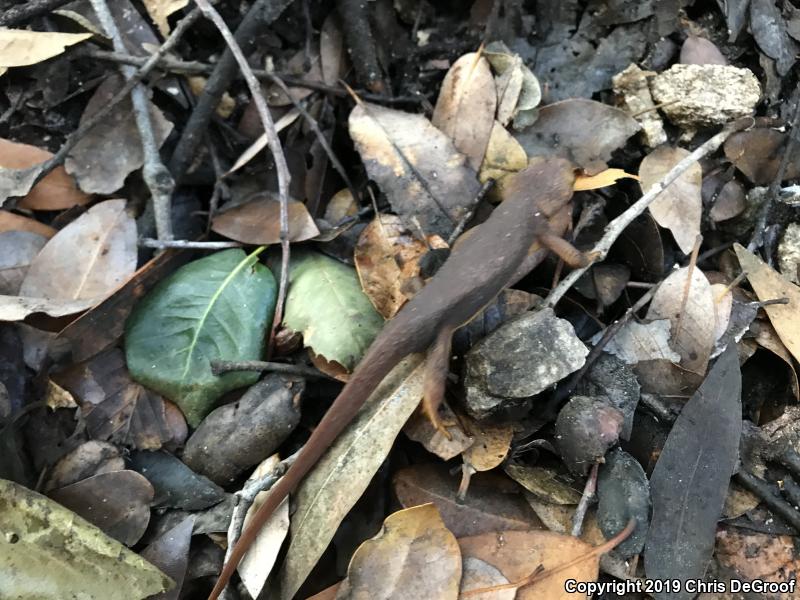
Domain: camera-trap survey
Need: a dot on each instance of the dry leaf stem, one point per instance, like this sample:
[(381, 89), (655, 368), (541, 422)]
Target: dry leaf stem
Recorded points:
[(28, 10), (274, 143), (156, 176), (586, 498), (618, 225)]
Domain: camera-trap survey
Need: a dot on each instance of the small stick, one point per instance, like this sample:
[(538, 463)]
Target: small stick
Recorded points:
[(586, 498), (764, 491), (164, 244), (618, 225), (274, 143), (218, 367), (28, 10)]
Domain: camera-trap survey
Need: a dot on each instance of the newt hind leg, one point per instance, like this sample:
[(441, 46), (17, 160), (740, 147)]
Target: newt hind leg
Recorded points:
[(437, 366)]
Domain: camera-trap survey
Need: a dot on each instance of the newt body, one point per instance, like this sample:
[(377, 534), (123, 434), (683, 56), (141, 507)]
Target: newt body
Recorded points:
[(497, 253)]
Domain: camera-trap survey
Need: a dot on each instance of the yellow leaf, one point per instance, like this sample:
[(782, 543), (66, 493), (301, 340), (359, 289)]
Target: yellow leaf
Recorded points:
[(19, 47), (601, 180), (159, 10)]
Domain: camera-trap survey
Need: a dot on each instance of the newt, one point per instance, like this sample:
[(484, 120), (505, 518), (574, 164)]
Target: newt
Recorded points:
[(486, 259)]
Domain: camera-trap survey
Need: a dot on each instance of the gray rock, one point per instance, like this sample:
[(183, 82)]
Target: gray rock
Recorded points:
[(789, 253)]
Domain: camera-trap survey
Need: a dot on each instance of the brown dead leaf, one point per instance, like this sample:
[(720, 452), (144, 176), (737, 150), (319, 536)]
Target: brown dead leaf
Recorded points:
[(477, 574), (114, 407), (601, 180), (87, 259), (17, 251), (543, 484), (414, 556), (12, 222), (692, 315), (466, 105), (767, 338), (491, 443), (387, 258), (493, 502), (768, 284), (20, 47), (56, 191), (117, 502), (420, 429), (757, 153), (327, 594), (416, 166), (258, 222), (58, 397), (517, 554), (88, 459), (504, 156), (170, 553), (731, 202), (17, 308), (159, 10), (680, 206)]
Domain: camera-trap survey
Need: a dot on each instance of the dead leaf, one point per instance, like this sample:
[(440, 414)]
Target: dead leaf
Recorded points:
[(491, 443), (477, 574), (58, 397), (767, 338), (636, 342), (17, 251), (387, 258), (420, 429), (332, 55), (691, 310), (90, 458), (296, 66), (768, 284), (680, 206), (17, 308), (12, 222), (331, 489), (754, 555), (466, 105), (20, 47), (258, 222), (492, 503), (504, 156), (114, 407), (517, 554), (757, 153), (56, 191), (543, 484), (170, 553), (414, 556), (257, 564), (88, 259), (117, 502), (582, 130), (518, 90), (723, 305), (601, 180), (105, 156), (261, 142), (159, 10), (416, 166)]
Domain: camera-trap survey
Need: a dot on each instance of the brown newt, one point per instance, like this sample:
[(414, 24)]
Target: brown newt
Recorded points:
[(495, 254)]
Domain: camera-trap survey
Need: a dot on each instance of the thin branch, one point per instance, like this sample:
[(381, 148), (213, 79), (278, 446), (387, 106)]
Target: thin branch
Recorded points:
[(156, 176), (164, 244), (25, 11), (586, 498), (618, 225), (274, 143)]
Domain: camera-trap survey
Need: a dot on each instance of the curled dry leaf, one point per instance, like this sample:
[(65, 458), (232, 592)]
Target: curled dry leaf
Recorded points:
[(117, 502), (768, 284), (466, 106), (416, 166), (331, 489), (56, 191), (414, 556), (88, 259), (258, 222), (387, 260), (584, 131), (689, 305), (517, 554), (20, 47), (679, 207)]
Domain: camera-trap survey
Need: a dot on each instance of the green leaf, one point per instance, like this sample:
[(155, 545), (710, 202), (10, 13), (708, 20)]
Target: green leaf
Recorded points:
[(47, 552), (217, 307), (326, 304)]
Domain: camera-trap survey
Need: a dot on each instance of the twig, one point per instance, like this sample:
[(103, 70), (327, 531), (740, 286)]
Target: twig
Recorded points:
[(765, 491), (361, 43), (218, 367), (260, 15), (155, 174), (274, 143), (28, 10), (775, 185), (194, 67), (586, 498), (164, 244), (618, 225)]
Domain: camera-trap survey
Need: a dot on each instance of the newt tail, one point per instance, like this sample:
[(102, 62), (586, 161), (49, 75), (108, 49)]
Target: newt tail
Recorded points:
[(479, 268)]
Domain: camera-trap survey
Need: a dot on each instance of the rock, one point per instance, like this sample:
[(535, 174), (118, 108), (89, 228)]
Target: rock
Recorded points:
[(789, 253), (520, 359), (631, 85), (702, 95)]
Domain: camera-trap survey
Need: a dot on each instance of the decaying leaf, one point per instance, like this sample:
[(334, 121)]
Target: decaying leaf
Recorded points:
[(635, 342), (16, 308), (387, 261), (623, 493), (416, 166), (518, 90), (20, 47), (159, 10), (90, 458), (679, 207), (768, 284), (543, 484), (170, 553), (757, 153), (87, 259), (56, 191), (414, 556), (81, 561), (690, 480), (477, 574), (466, 106), (258, 222), (332, 488), (325, 303), (689, 305)]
